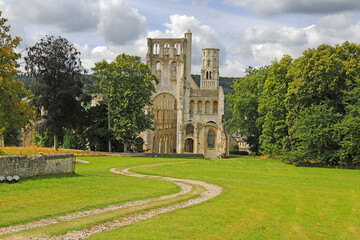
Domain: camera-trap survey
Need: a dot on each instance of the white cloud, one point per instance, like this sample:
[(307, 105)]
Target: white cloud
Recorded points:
[(119, 23), (262, 44), (115, 20), (273, 7), (232, 68), (66, 15), (338, 20), (203, 35)]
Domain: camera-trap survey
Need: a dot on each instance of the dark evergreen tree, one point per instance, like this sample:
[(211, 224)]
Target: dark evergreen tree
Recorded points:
[(55, 67)]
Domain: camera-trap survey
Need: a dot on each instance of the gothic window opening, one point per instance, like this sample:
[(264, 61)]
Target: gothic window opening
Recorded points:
[(207, 75), (166, 49), (210, 75), (177, 47), (189, 129), (199, 107), (164, 106), (215, 107), (207, 107), (189, 145), (211, 139), (156, 49), (158, 65), (192, 106)]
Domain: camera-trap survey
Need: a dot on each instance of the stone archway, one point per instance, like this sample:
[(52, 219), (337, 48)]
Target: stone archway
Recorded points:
[(189, 145), (165, 123)]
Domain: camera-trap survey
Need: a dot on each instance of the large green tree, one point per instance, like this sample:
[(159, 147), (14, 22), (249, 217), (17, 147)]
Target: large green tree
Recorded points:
[(126, 85), (349, 127), (244, 103), (320, 79), (15, 111), (272, 107), (57, 82)]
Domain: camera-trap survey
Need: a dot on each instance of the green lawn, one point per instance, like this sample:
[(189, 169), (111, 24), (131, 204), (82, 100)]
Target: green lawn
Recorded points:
[(92, 186), (262, 199)]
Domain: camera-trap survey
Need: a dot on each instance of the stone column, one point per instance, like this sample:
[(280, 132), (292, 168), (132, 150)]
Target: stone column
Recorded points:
[(196, 138)]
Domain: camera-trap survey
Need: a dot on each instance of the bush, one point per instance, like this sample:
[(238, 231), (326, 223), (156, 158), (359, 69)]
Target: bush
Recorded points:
[(243, 153), (234, 151)]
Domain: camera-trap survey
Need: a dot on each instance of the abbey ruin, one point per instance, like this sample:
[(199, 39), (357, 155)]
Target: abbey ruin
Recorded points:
[(188, 118)]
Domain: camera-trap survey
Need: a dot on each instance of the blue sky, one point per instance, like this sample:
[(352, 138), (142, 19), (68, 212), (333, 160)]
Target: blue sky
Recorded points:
[(247, 32)]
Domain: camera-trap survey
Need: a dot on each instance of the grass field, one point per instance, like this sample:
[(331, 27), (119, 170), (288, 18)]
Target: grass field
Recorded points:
[(262, 199)]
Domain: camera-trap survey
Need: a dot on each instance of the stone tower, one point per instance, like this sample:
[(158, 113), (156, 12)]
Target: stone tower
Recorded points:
[(188, 119), (210, 69)]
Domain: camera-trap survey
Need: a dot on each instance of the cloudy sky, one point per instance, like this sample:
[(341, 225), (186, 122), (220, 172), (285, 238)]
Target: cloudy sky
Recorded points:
[(247, 32)]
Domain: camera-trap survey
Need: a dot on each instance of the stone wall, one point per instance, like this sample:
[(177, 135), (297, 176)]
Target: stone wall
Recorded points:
[(25, 166)]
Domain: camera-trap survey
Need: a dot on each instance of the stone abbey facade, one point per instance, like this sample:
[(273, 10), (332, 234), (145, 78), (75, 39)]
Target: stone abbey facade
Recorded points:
[(188, 118)]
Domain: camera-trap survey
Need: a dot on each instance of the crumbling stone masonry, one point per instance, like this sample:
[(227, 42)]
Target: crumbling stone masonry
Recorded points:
[(25, 166)]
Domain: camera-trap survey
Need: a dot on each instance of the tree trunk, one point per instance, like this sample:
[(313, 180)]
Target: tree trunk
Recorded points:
[(109, 128), (125, 145), (2, 141), (55, 142)]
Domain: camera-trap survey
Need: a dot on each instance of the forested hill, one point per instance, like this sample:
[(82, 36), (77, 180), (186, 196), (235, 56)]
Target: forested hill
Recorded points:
[(225, 82)]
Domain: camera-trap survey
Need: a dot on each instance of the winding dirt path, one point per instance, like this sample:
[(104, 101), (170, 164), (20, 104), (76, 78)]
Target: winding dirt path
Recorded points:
[(211, 191)]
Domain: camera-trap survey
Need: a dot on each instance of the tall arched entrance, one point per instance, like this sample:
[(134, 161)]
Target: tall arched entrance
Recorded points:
[(189, 145), (165, 122)]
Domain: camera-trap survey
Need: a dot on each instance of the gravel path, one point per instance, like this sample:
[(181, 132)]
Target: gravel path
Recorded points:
[(211, 191)]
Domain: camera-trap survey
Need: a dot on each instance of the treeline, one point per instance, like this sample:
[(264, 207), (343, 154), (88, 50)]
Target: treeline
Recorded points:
[(305, 110), (55, 94)]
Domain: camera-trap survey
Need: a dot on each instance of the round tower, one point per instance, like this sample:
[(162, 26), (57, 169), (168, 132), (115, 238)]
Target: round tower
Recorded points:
[(187, 51), (210, 69)]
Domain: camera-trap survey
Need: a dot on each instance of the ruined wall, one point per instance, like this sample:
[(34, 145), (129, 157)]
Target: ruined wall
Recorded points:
[(25, 166)]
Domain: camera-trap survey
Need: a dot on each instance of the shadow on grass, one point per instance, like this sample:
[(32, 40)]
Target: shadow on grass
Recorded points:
[(51, 176)]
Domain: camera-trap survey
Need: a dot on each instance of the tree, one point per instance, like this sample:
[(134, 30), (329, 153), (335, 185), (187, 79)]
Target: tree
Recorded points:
[(349, 128), (321, 77), (15, 111), (272, 107), (245, 102), (314, 135), (126, 85), (56, 69)]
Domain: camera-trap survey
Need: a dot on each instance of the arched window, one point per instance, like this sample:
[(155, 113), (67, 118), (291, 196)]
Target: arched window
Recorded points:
[(192, 106), (189, 129), (156, 49), (207, 75), (166, 49), (158, 65), (215, 107), (210, 77), (211, 139), (207, 107), (177, 47), (189, 145), (199, 107)]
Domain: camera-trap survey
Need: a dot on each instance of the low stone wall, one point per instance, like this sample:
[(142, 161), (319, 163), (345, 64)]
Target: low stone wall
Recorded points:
[(25, 166)]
